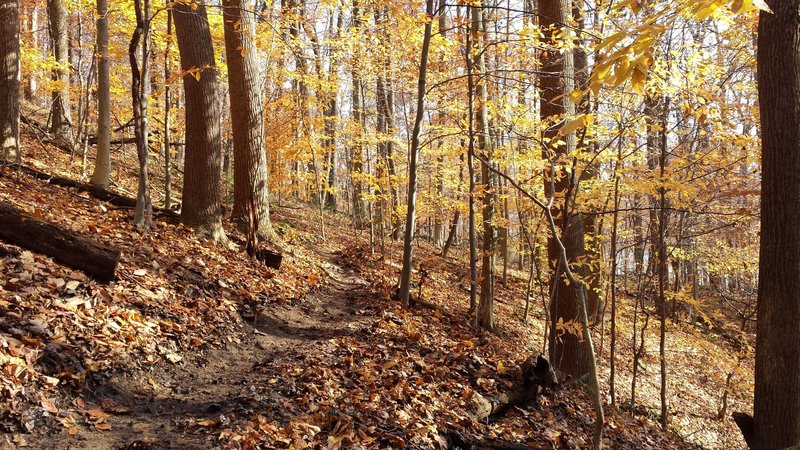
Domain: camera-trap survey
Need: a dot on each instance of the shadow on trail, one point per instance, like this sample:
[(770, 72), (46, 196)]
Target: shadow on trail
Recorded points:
[(184, 405)]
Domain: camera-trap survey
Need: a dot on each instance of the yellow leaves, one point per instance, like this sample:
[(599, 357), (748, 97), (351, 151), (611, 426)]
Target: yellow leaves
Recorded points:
[(638, 77), (633, 5), (574, 124), (628, 54), (707, 10), (701, 10), (194, 72), (569, 327), (632, 61)]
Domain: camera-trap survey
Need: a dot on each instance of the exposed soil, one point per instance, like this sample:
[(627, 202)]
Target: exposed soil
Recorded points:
[(175, 406)]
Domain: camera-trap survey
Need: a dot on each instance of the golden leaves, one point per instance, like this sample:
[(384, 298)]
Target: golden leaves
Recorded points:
[(575, 124)]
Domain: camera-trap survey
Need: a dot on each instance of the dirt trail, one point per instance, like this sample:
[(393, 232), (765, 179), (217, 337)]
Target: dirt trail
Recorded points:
[(169, 400)]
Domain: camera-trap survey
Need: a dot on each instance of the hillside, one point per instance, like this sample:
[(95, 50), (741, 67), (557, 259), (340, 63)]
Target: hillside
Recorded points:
[(197, 346)]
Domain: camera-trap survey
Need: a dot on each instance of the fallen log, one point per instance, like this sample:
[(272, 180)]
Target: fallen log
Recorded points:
[(20, 228), (536, 374), (482, 407), (97, 192)]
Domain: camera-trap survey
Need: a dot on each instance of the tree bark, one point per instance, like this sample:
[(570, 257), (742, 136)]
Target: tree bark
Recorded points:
[(9, 79), (411, 217), (102, 163), (569, 353), (485, 313), (167, 118), (140, 93), (203, 159), (61, 125), (385, 168), (777, 384), (473, 238), (358, 117), (20, 228), (250, 166), (32, 35)]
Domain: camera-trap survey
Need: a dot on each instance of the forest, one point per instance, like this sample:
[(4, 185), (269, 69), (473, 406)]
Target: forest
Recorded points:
[(422, 224)]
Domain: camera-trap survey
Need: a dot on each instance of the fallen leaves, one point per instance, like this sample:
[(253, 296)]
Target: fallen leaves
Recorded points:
[(58, 326), (393, 377), (48, 405)]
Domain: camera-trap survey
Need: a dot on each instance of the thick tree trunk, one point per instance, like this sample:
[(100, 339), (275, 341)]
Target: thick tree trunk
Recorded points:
[(250, 172), (777, 384), (9, 79), (61, 121), (19, 228), (569, 353), (102, 163), (203, 166)]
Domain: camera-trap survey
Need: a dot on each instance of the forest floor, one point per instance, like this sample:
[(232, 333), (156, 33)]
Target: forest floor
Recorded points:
[(196, 346)]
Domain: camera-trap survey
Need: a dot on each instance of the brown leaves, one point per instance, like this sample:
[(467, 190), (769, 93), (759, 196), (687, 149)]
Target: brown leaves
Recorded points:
[(48, 405)]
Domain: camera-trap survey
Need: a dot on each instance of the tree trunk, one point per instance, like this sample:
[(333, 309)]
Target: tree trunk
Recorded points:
[(662, 257), (61, 125), (613, 282), (568, 354), (357, 166), (140, 92), (385, 128), (473, 238), (102, 163), (167, 118), (777, 384), (329, 113), (32, 34), (203, 165), (485, 313), (250, 172), (9, 79), (411, 217)]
